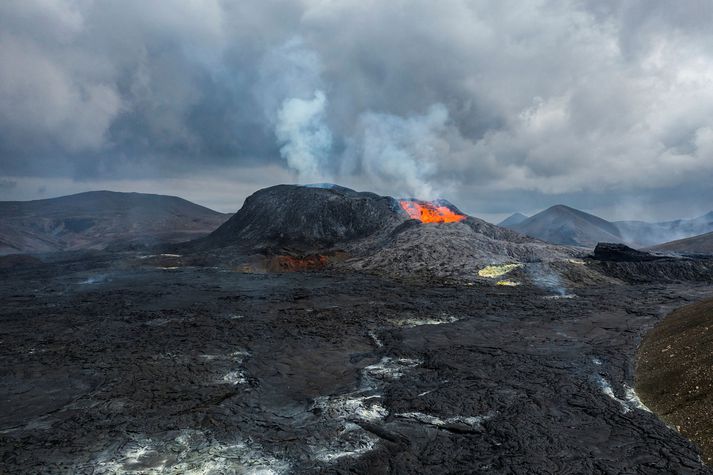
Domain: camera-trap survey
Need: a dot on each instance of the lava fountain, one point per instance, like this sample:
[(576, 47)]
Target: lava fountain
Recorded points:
[(430, 212)]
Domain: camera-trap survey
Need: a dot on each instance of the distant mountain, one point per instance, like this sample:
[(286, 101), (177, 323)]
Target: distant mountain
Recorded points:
[(97, 219), (648, 234), (512, 220), (702, 244), (564, 225)]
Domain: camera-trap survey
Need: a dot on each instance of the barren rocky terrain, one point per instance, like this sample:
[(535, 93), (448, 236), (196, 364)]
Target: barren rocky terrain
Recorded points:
[(674, 373), (324, 331), (132, 364)]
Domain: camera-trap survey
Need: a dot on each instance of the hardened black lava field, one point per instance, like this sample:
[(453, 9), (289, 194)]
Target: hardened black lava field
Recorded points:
[(113, 364)]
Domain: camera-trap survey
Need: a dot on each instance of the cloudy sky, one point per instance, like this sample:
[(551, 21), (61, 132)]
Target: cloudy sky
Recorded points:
[(499, 106)]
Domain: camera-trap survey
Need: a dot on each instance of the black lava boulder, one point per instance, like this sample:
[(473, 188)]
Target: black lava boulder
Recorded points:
[(614, 252)]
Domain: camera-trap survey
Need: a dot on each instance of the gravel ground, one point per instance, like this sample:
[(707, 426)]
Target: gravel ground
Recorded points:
[(675, 375)]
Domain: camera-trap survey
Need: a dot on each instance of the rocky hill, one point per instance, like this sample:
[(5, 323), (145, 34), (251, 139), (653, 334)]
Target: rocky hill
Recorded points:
[(702, 244), (568, 226), (512, 220), (306, 218), (98, 219)]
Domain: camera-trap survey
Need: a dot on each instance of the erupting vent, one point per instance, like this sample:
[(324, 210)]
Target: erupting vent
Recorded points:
[(429, 212)]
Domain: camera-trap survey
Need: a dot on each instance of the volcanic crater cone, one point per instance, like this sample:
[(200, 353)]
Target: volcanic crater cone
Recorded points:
[(374, 233), (303, 218)]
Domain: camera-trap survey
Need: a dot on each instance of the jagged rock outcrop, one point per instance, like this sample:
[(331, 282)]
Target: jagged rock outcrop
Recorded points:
[(615, 252), (627, 264)]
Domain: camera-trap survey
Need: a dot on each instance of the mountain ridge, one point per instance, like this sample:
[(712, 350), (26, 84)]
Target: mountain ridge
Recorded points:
[(564, 225), (97, 219)]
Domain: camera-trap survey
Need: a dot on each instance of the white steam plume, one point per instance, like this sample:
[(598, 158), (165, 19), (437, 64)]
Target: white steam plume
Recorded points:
[(306, 140), (294, 104), (400, 154)]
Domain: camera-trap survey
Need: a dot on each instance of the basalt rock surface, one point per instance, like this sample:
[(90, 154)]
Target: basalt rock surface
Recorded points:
[(452, 250), (306, 218), (141, 365), (614, 252), (626, 264), (391, 354)]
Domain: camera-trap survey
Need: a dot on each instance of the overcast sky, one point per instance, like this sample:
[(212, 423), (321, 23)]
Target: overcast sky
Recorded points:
[(499, 106)]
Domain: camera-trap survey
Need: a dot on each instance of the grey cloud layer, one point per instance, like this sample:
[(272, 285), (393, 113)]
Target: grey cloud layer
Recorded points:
[(468, 98)]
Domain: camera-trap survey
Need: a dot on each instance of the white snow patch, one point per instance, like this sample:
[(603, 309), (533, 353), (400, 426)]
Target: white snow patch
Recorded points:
[(353, 441), (417, 322), (191, 452), (361, 405), (375, 338), (631, 400), (387, 368), (560, 297), (236, 376), (473, 421), (348, 406)]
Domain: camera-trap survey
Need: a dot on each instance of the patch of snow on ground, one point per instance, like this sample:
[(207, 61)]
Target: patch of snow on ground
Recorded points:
[(235, 376), (353, 441), (473, 421), (387, 368), (95, 279), (416, 322), (191, 452), (375, 339), (345, 411), (560, 297), (631, 400)]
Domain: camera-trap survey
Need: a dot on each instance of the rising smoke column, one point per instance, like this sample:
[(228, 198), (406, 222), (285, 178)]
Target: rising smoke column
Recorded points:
[(292, 96), (393, 153), (400, 153), (303, 133)]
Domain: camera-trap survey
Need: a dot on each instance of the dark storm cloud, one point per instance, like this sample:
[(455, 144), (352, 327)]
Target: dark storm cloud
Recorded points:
[(525, 101)]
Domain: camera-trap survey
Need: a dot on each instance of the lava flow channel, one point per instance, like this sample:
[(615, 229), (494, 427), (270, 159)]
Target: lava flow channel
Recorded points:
[(428, 212)]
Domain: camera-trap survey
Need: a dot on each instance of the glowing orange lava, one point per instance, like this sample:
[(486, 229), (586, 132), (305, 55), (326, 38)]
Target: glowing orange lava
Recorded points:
[(428, 212)]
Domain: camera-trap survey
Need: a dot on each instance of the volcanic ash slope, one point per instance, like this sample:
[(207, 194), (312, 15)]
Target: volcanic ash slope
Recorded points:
[(453, 250)]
